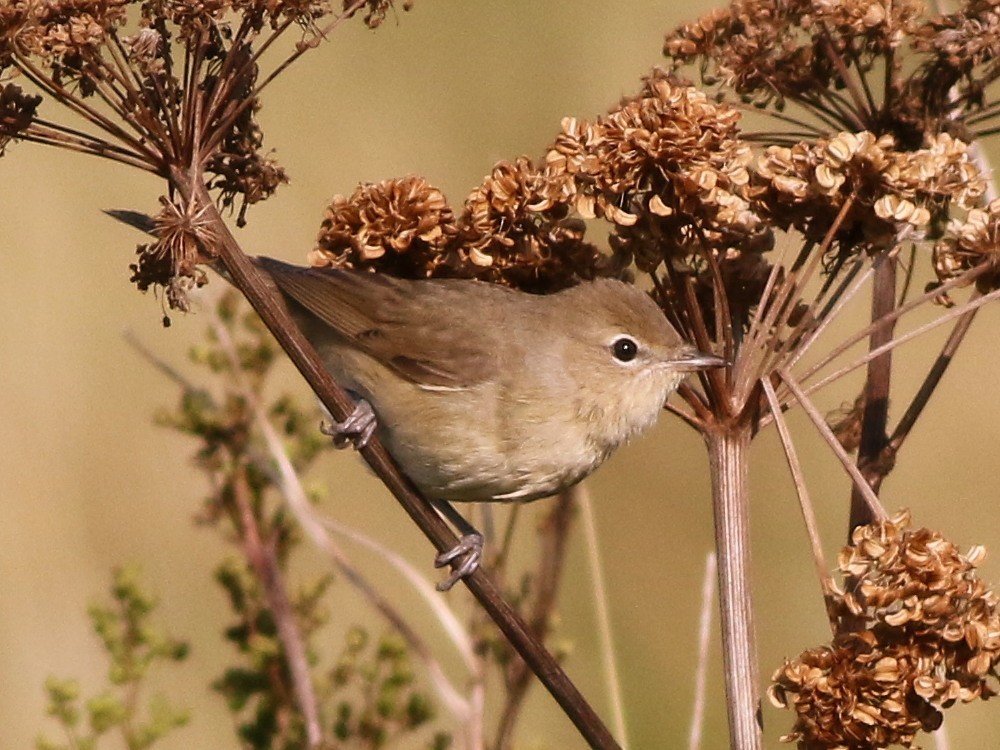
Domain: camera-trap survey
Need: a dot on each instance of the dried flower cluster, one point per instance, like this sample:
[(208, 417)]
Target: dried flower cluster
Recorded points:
[(158, 112), (513, 231), (172, 261), (970, 242), (17, 110), (403, 225), (770, 52), (876, 196), (666, 168), (925, 633)]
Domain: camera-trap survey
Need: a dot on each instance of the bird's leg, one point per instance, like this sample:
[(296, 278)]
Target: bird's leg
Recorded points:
[(465, 556), (356, 430)]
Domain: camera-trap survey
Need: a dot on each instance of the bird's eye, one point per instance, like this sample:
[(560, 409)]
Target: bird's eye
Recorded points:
[(624, 349)]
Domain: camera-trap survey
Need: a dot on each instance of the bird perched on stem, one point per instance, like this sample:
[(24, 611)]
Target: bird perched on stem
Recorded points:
[(484, 393)]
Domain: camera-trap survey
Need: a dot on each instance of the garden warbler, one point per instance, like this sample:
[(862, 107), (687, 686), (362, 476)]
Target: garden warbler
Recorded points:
[(480, 392)]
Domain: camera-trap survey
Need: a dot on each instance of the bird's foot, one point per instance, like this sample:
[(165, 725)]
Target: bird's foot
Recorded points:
[(464, 559), (356, 430)]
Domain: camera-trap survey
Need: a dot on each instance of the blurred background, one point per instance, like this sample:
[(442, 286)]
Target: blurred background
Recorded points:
[(87, 482)]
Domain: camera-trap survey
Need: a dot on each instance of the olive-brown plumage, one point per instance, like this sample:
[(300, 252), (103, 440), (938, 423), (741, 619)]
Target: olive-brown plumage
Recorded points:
[(485, 393)]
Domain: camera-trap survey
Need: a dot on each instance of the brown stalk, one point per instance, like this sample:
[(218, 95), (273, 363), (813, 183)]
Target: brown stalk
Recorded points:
[(877, 386), (801, 490), (727, 452), (869, 496), (262, 558), (554, 534), (276, 318)]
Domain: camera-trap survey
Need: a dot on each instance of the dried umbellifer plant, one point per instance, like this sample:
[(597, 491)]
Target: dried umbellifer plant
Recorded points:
[(867, 165)]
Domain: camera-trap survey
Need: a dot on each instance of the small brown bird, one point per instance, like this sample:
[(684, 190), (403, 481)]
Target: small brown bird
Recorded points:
[(483, 393)]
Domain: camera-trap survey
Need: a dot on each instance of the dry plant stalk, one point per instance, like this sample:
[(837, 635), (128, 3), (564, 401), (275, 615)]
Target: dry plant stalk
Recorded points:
[(873, 107)]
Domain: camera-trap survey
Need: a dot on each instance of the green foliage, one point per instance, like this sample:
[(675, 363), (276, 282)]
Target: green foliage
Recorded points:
[(134, 647), (259, 690), (373, 690)]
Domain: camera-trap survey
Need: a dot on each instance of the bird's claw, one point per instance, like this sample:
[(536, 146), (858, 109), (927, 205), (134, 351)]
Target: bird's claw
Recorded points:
[(356, 430), (464, 558)]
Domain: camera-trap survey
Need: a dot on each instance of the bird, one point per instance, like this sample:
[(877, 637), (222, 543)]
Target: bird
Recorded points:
[(484, 393)]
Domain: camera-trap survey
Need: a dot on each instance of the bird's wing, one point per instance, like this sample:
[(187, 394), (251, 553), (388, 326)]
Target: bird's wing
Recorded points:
[(401, 323)]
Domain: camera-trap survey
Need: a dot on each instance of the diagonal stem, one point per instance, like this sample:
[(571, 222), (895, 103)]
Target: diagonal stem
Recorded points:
[(805, 504), (931, 382), (870, 498), (275, 316)]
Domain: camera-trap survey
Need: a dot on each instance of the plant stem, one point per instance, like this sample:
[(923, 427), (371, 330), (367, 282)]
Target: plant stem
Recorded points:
[(727, 451), (877, 384), (554, 534)]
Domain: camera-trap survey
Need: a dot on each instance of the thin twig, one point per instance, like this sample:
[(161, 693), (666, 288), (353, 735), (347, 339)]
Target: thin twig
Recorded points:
[(931, 381), (605, 632), (963, 279), (262, 558), (805, 504), (793, 287), (158, 362), (841, 302), (878, 512), (704, 642), (900, 340), (742, 383)]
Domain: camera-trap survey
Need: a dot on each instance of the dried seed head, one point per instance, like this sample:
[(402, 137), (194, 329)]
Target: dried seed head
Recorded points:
[(925, 634), (172, 262), (17, 110), (397, 226), (880, 195), (970, 242)]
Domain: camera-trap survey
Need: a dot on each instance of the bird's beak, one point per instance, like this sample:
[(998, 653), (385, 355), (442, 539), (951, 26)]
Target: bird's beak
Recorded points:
[(692, 360)]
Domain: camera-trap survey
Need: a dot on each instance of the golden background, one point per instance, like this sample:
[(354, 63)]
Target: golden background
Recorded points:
[(87, 482)]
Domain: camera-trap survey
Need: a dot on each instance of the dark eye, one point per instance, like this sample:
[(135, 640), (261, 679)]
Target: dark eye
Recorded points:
[(624, 349)]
